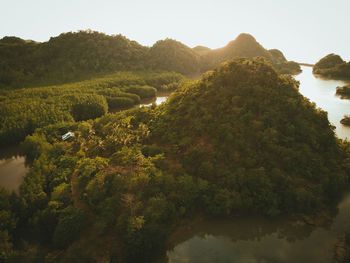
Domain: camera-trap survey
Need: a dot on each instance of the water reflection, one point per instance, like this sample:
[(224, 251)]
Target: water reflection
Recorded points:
[(322, 92), (161, 97), (257, 239), (13, 167)]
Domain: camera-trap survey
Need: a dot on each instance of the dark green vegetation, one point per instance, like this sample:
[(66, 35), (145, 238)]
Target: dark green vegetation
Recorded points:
[(332, 66), (73, 56), (23, 110), (171, 55), (69, 56), (345, 120), (343, 91), (240, 140)]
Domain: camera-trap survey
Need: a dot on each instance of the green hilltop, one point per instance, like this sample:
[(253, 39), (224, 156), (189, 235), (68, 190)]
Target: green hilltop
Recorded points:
[(332, 66), (74, 56), (245, 45)]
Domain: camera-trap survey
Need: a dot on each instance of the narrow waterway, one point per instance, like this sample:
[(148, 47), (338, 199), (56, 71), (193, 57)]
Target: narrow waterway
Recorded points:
[(322, 92)]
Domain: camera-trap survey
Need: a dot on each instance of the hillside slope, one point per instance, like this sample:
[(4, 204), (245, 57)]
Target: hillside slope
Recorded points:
[(66, 57), (240, 140), (246, 122), (85, 54)]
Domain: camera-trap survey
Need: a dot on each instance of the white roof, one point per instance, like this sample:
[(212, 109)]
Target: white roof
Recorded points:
[(67, 135)]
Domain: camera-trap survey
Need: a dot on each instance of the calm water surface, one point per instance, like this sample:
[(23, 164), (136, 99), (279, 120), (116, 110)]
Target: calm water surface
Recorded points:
[(259, 240), (12, 168), (161, 97), (253, 240), (322, 92)]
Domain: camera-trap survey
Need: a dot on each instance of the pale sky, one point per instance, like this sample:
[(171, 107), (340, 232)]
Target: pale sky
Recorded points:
[(304, 30)]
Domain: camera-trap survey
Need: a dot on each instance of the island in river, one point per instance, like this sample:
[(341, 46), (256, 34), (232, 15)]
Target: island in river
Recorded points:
[(344, 91), (332, 66), (345, 120)]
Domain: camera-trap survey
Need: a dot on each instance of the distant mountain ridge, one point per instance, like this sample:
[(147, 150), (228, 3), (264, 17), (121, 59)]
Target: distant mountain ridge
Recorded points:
[(74, 56), (245, 45)]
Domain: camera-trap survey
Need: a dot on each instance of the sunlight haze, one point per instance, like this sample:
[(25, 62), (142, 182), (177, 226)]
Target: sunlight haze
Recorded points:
[(304, 31)]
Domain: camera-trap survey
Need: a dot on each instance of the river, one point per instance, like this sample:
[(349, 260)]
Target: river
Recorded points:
[(254, 239), (322, 92)]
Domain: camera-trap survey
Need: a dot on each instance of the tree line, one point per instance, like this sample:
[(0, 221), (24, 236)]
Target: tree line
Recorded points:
[(71, 56), (24, 110)]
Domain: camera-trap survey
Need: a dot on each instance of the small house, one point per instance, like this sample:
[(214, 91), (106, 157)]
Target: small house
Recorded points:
[(67, 136)]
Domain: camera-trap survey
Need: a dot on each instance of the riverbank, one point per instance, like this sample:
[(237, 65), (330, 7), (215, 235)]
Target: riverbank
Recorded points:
[(322, 92), (299, 238)]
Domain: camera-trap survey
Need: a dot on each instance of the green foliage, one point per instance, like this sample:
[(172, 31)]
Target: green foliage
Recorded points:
[(71, 222), (43, 222), (24, 110), (346, 120), (240, 140), (329, 61), (34, 145), (73, 56), (332, 66), (142, 91), (120, 102), (8, 223), (62, 194), (70, 56), (171, 55), (89, 107), (266, 126), (343, 91)]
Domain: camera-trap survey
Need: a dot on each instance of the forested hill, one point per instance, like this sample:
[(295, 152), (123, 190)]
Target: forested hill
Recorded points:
[(246, 45), (240, 140), (245, 124), (69, 56), (77, 56), (332, 66)]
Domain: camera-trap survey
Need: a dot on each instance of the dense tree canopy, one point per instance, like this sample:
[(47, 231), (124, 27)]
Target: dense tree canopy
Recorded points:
[(67, 57), (171, 55), (332, 66), (23, 110), (73, 56), (269, 131), (240, 140)]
